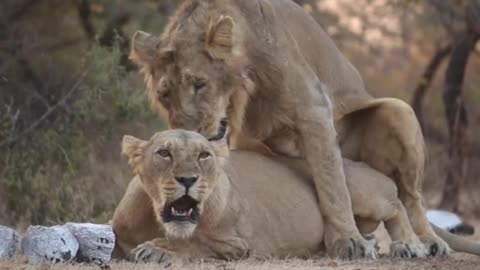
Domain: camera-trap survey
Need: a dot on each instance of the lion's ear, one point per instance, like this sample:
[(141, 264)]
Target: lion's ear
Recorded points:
[(144, 48), (147, 50), (220, 37), (134, 149)]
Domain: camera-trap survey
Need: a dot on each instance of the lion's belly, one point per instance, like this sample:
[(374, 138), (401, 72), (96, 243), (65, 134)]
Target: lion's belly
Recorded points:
[(283, 209), (287, 142)]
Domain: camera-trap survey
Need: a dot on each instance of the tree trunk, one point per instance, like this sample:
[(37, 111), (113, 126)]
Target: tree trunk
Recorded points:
[(456, 118), (426, 81)]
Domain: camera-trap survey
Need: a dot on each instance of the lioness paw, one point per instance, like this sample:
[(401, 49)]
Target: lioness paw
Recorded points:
[(148, 253), (400, 250), (352, 248)]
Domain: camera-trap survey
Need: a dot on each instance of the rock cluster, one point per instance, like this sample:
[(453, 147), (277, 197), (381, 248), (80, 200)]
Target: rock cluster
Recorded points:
[(79, 242)]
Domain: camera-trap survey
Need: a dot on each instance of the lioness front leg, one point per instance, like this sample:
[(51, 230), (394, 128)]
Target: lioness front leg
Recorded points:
[(164, 251), (154, 251), (317, 131)]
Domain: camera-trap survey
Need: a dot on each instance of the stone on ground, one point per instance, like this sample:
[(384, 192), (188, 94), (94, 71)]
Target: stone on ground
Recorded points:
[(49, 244), (8, 242), (96, 242)]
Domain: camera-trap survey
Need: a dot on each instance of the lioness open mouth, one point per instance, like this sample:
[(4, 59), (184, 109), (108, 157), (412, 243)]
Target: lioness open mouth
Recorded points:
[(183, 209), (222, 130)]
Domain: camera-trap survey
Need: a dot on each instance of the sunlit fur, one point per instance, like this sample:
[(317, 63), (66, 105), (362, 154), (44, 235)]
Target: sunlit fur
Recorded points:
[(274, 72)]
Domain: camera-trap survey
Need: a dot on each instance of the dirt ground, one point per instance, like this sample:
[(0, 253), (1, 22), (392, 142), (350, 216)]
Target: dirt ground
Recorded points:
[(456, 262)]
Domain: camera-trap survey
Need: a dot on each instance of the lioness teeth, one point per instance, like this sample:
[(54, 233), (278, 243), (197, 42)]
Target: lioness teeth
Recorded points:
[(181, 213)]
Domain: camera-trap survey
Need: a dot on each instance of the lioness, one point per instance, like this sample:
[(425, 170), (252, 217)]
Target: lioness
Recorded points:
[(190, 198), (267, 70)]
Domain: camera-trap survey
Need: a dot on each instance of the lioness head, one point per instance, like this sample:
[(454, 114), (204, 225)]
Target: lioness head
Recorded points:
[(178, 170), (194, 70)]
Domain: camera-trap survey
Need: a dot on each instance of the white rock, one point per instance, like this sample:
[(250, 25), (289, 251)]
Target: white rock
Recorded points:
[(49, 244), (96, 242), (8, 242), (449, 221), (443, 219)]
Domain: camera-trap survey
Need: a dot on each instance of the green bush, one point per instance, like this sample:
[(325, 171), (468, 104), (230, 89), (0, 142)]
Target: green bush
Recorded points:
[(69, 169)]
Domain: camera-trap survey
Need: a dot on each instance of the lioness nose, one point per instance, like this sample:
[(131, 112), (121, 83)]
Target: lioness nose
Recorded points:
[(187, 181)]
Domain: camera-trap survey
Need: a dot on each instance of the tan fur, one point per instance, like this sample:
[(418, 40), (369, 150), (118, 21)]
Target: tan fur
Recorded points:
[(272, 71), (257, 206)]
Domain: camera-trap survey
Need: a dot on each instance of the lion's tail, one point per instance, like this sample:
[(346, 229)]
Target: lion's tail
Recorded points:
[(458, 243)]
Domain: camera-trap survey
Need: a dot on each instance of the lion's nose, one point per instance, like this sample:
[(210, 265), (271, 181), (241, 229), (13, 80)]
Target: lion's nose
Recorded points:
[(187, 181)]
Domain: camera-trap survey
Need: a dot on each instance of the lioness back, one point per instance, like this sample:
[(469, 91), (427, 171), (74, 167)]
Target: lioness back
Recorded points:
[(282, 205)]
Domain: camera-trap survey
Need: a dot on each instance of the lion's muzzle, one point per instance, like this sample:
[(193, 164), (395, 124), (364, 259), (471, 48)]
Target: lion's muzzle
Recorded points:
[(222, 130)]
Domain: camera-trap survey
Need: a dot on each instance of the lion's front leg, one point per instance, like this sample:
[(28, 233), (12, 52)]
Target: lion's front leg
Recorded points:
[(316, 128)]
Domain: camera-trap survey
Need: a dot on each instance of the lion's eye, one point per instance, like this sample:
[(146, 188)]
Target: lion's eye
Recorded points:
[(204, 155), (163, 153), (199, 85)]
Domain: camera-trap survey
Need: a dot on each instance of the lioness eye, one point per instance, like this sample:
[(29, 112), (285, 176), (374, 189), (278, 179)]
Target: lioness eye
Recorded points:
[(199, 85), (204, 155), (163, 153)]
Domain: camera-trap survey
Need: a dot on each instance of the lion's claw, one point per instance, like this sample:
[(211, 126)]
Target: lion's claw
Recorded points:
[(436, 247), (400, 250)]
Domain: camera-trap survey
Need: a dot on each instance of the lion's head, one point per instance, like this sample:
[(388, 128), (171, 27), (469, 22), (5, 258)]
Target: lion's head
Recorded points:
[(194, 70), (178, 169)]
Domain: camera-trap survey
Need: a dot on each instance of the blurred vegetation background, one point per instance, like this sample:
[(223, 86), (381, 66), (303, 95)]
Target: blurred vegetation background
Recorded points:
[(68, 94)]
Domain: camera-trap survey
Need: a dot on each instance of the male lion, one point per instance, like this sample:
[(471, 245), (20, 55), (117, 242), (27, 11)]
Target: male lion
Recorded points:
[(267, 70), (190, 198)]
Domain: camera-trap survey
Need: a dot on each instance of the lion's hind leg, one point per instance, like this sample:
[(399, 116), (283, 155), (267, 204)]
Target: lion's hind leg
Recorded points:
[(393, 144), (405, 243), (374, 199)]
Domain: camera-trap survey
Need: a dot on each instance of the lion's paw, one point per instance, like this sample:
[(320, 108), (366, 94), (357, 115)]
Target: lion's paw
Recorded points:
[(148, 253), (352, 248), (435, 246), (400, 250)]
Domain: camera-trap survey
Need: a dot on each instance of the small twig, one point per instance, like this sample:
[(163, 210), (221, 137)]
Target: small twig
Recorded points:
[(12, 139)]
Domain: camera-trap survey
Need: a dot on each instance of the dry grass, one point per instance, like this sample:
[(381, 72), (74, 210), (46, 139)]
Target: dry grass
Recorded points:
[(456, 261)]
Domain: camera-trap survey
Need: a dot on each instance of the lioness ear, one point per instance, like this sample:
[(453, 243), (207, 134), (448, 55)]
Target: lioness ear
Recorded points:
[(220, 37), (134, 149)]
